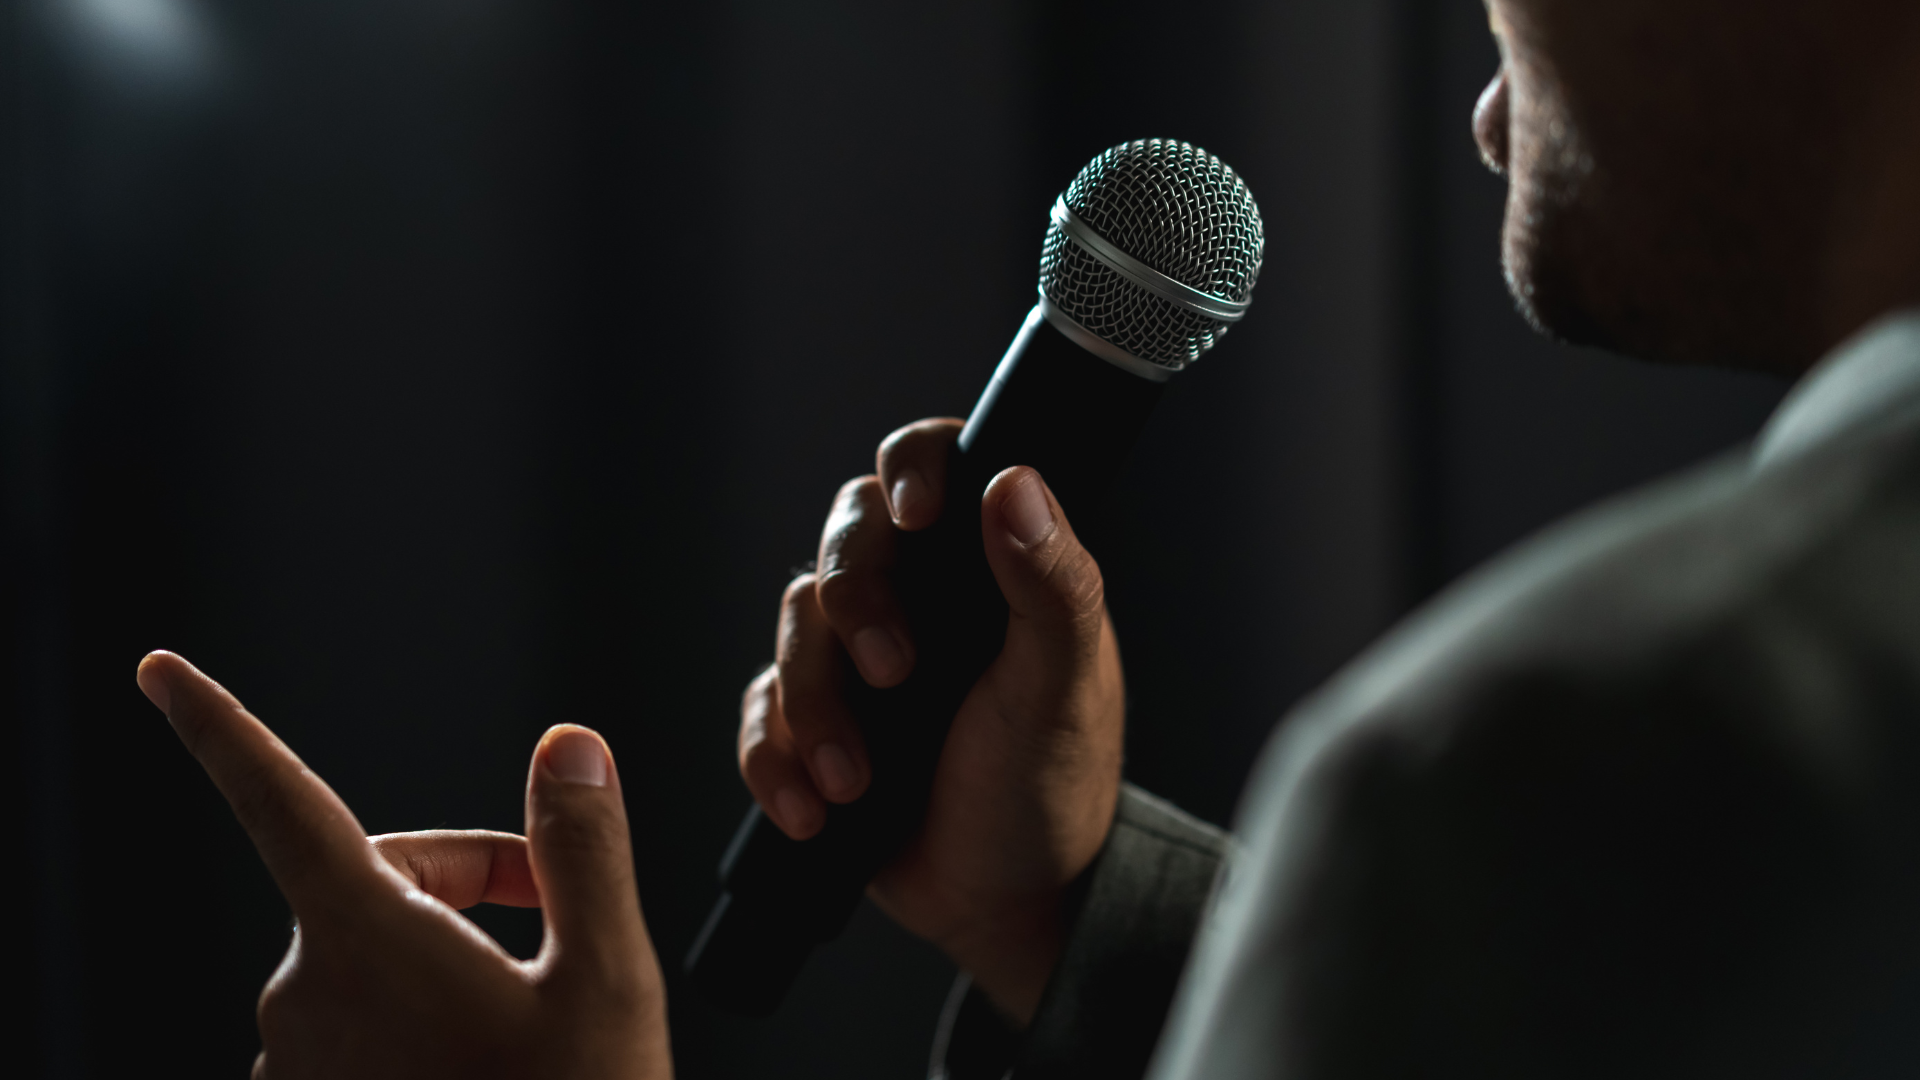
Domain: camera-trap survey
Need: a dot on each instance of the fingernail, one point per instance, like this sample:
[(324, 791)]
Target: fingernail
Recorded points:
[(155, 687), (876, 652), (792, 808), (835, 769), (1029, 517), (908, 490), (576, 757)]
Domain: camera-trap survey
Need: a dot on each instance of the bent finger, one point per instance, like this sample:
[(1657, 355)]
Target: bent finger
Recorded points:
[(912, 463), (808, 668), (311, 843), (854, 586), (770, 764), (463, 867)]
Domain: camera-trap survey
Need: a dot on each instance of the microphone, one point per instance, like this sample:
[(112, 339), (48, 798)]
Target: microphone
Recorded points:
[(1150, 257)]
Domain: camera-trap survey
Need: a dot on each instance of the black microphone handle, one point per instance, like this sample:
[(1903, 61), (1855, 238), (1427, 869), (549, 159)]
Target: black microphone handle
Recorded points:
[(1051, 405)]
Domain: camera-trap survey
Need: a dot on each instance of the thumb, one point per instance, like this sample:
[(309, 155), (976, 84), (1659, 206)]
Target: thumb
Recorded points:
[(1055, 595), (582, 861)]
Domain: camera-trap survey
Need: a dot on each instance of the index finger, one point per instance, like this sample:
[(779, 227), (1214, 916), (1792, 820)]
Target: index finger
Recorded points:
[(310, 841), (912, 465)]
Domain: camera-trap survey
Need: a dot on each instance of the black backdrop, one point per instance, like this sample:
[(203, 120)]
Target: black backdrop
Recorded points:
[(433, 372)]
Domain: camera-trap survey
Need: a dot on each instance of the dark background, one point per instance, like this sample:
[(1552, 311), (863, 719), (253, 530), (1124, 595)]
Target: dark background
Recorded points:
[(431, 372)]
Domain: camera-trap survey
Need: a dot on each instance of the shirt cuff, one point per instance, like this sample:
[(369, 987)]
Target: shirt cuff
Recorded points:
[(1136, 910)]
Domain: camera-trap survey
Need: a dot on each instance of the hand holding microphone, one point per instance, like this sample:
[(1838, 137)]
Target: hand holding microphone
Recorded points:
[(943, 718), (1025, 788)]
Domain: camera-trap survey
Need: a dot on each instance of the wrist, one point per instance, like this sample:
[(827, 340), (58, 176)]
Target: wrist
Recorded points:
[(1012, 956), (1011, 953)]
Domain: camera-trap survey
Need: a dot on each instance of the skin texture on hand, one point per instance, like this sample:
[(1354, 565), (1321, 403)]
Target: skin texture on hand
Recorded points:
[(384, 977), (1025, 790)]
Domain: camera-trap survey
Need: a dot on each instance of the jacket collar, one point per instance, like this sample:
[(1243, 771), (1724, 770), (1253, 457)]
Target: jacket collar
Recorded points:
[(1870, 382)]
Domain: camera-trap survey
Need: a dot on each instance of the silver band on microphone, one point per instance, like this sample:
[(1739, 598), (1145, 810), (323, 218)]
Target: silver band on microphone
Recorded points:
[(1177, 293)]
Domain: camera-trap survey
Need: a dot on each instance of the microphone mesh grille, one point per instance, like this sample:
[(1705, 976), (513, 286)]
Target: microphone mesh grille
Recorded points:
[(1176, 208)]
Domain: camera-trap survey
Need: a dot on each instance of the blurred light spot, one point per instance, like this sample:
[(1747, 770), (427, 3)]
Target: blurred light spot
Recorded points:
[(141, 40)]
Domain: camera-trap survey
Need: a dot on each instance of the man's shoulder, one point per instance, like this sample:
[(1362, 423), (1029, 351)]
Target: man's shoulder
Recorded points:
[(1669, 577), (1546, 811), (1764, 611)]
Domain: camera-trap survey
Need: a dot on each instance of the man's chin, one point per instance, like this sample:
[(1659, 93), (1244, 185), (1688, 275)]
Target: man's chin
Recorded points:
[(1551, 305), (1572, 300), (1586, 284)]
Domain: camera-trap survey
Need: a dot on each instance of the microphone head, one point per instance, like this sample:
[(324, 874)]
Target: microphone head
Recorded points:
[(1154, 249)]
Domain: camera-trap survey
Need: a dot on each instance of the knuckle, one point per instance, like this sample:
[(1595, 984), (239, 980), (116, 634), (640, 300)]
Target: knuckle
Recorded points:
[(402, 857), (898, 447), (753, 743), (589, 836), (762, 768), (192, 727), (751, 755), (756, 699), (1089, 594), (804, 717), (1076, 579), (853, 492), (255, 797), (891, 443), (921, 438), (429, 873), (798, 590), (850, 529), (795, 615), (805, 677), (1082, 586), (842, 591), (811, 715), (196, 726)]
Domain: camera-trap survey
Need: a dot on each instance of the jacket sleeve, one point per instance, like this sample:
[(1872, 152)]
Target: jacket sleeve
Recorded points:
[(1138, 907)]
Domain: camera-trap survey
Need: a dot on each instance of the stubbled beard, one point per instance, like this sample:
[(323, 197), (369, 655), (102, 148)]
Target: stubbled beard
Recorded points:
[(1539, 261), (1541, 252), (1662, 263)]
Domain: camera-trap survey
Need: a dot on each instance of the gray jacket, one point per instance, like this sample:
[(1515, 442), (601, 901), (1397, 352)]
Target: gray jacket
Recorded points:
[(1640, 798)]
